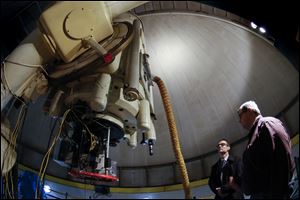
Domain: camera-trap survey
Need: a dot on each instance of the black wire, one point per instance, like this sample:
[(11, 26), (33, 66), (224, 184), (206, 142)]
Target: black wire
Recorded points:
[(90, 119)]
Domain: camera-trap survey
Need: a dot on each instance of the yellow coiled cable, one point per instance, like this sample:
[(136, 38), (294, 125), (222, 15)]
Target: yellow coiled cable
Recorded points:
[(174, 135)]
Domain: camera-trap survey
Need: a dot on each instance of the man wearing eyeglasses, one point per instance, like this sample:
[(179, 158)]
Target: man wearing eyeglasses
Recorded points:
[(225, 177), (267, 160)]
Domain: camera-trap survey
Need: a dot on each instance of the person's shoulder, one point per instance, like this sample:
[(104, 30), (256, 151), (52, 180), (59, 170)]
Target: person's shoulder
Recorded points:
[(269, 119), (272, 121)]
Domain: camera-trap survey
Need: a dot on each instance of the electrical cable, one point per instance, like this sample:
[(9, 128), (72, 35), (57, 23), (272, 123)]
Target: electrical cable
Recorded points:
[(138, 19), (45, 160), (7, 187), (11, 149), (5, 83), (8, 107), (93, 137), (142, 35), (12, 184), (13, 136), (52, 131), (92, 119)]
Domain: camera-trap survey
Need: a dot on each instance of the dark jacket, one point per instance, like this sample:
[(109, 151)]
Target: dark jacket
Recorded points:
[(231, 168), (267, 160)]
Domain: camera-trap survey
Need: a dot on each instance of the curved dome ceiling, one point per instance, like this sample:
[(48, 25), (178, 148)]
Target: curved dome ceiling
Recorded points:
[(210, 67)]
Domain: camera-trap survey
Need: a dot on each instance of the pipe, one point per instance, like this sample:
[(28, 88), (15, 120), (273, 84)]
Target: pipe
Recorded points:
[(143, 118), (99, 97), (132, 73), (93, 43), (174, 135), (151, 133), (133, 140)]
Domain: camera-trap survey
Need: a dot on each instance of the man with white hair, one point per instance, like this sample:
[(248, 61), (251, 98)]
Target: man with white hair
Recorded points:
[(267, 160)]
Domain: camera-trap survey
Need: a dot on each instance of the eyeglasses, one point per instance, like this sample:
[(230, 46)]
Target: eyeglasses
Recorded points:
[(221, 145)]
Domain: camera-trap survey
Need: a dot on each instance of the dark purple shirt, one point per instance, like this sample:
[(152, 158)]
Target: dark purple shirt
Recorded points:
[(267, 160)]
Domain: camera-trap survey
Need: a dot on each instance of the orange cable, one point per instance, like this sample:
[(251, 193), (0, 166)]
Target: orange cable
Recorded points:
[(174, 135)]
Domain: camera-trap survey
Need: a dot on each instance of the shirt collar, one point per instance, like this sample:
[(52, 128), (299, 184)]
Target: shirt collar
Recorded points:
[(225, 158), (256, 120)]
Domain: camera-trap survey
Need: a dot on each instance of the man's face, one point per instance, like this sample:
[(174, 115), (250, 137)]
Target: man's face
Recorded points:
[(245, 119), (223, 147)]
